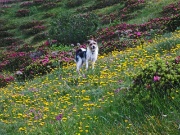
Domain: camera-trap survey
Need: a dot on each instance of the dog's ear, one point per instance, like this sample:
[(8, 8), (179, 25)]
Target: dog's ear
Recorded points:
[(95, 40), (88, 42)]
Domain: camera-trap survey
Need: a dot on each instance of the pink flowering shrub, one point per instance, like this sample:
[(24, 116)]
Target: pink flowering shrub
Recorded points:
[(49, 5), (109, 18), (109, 46), (39, 66), (34, 30), (4, 80), (132, 5), (5, 27), (160, 77), (121, 33), (9, 41), (125, 13), (25, 48), (12, 61), (38, 2), (103, 3), (171, 9), (22, 12), (74, 3), (5, 34), (46, 64), (47, 15), (43, 61), (26, 4), (174, 23), (30, 24)]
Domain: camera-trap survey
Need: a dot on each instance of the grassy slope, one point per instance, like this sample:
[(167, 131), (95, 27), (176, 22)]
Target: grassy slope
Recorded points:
[(92, 104), (150, 11)]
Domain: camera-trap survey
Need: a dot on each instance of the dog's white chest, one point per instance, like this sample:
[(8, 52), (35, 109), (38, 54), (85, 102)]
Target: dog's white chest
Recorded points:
[(92, 56)]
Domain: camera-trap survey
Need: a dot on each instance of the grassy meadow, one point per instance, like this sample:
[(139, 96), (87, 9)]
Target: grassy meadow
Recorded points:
[(103, 101)]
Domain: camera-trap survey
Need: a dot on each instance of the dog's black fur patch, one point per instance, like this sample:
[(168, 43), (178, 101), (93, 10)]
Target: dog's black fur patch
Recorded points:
[(81, 54)]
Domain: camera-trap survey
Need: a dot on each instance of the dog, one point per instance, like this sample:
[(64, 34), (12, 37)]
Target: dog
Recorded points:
[(85, 55)]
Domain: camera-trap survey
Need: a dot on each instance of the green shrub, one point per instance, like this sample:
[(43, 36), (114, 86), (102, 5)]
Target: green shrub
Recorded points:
[(155, 86), (12, 61), (104, 3), (67, 28), (174, 23), (35, 69), (9, 41), (160, 77), (5, 34), (40, 66), (31, 24), (34, 30), (39, 37), (61, 47)]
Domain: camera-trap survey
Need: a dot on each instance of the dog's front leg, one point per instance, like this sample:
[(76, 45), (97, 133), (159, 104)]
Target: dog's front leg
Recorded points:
[(86, 64), (93, 62)]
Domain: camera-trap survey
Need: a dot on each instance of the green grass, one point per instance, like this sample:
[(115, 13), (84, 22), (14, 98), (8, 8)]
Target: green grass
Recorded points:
[(98, 101), (151, 11), (110, 9)]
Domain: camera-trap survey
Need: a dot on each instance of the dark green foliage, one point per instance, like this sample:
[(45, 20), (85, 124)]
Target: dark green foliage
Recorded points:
[(68, 28), (74, 3), (156, 85), (5, 34), (8, 41), (31, 24), (36, 69), (15, 60), (174, 23), (39, 37), (104, 3), (159, 77), (2, 12), (47, 15), (34, 30), (49, 5), (22, 13), (4, 80), (26, 48)]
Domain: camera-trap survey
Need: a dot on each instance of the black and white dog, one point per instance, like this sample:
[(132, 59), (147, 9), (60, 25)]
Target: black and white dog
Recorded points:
[(86, 55)]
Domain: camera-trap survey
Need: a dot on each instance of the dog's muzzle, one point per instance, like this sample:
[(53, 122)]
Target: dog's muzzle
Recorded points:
[(93, 47)]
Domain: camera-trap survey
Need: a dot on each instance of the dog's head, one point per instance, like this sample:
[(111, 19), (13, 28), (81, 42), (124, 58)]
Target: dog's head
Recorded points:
[(92, 45)]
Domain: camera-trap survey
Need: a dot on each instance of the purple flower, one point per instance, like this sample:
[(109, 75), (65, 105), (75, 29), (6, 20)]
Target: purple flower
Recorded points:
[(59, 117), (138, 34), (156, 78), (117, 90)]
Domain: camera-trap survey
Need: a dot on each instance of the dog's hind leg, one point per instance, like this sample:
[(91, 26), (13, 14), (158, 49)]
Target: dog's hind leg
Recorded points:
[(79, 65)]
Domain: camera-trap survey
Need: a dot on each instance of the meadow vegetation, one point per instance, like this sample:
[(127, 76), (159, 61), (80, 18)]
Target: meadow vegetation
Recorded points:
[(134, 88)]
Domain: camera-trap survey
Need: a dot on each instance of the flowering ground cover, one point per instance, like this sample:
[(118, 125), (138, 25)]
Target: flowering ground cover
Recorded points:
[(134, 88), (64, 103)]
